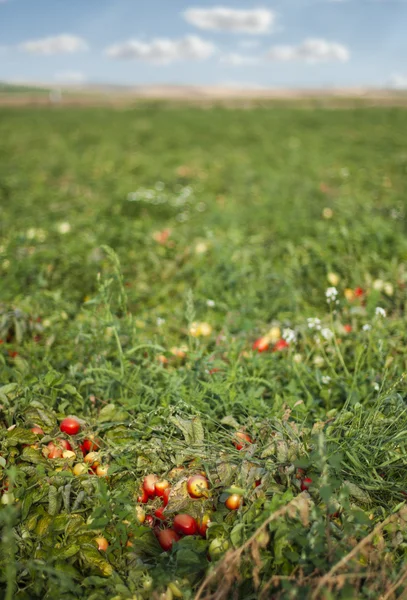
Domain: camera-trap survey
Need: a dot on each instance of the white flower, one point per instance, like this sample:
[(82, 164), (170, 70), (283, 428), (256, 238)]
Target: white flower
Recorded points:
[(326, 379), (331, 294), (380, 312), (326, 333), (64, 227), (160, 321), (367, 327), (210, 303), (376, 387), (314, 323), (318, 361), (289, 335)]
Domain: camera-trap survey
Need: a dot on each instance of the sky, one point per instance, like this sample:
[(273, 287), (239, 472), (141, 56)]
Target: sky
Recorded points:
[(278, 43)]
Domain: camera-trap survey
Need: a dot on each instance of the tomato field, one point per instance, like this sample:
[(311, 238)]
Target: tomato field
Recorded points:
[(202, 353)]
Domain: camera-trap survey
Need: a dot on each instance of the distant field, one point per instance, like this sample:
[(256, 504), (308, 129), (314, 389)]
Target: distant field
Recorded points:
[(175, 277)]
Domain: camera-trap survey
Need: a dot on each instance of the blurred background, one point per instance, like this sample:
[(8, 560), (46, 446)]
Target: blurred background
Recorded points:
[(182, 48)]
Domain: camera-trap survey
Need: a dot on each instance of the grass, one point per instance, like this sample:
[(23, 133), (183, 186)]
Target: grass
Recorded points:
[(121, 233)]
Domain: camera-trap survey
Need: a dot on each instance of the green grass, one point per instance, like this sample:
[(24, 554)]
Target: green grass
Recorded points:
[(265, 209)]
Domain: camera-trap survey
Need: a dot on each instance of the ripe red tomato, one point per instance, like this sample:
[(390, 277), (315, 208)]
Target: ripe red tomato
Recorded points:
[(261, 344), (166, 538), (234, 502), (166, 496), (54, 451), (159, 514), (197, 486), (185, 525), (149, 520), (64, 444), (305, 484), (161, 486), (241, 440), (358, 292), (143, 498), (347, 328), (90, 445), (37, 430), (70, 426), (149, 484), (280, 345)]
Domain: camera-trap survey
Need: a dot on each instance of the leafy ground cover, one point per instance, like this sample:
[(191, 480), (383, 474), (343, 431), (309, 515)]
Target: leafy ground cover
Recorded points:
[(213, 293)]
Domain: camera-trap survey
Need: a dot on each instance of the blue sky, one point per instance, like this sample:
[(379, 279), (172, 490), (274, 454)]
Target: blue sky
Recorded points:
[(285, 43)]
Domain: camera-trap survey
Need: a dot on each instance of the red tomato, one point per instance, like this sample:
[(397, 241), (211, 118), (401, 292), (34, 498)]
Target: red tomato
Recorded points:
[(166, 538), (70, 426), (54, 451), (37, 430), (305, 484), (280, 345), (144, 497), (166, 496), (203, 525), (347, 328), (159, 514), (149, 484), (358, 292), (149, 520), (197, 486), (90, 445), (185, 525), (261, 344), (241, 440), (64, 443), (160, 487), (234, 502)]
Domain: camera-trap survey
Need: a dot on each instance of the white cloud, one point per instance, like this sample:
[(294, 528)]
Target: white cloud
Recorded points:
[(311, 51), (249, 44), (398, 81), (221, 18), (163, 50), (59, 44), (70, 77), (239, 60)]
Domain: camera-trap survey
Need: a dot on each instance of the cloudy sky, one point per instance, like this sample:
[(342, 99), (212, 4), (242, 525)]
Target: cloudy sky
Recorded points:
[(296, 43)]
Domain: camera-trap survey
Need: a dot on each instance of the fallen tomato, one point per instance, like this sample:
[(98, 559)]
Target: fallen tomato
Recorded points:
[(197, 486), (166, 538), (241, 440), (185, 525), (70, 426)]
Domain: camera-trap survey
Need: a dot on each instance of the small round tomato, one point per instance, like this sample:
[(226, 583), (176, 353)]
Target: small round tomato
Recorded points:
[(347, 328), (90, 444), (241, 440), (185, 525), (217, 548), (102, 470), (261, 344), (305, 484), (80, 469), (54, 451), (102, 543), (160, 487), (68, 454), (197, 486), (203, 525), (166, 538), (37, 430), (280, 345), (70, 426), (234, 502), (149, 484), (92, 459), (358, 292), (64, 444)]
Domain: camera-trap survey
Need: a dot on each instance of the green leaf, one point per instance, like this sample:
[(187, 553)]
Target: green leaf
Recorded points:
[(19, 435)]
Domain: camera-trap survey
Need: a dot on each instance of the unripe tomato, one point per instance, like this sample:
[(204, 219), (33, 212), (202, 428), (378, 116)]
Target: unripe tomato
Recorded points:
[(149, 485), (197, 486), (92, 459), (203, 524), (166, 538), (80, 469), (70, 426), (37, 430), (305, 484), (54, 451), (102, 543), (160, 487), (241, 440), (101, 471), (217, 547), (176, 472), (140, 514), (68, 454), (234, 502), (185, 525)]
